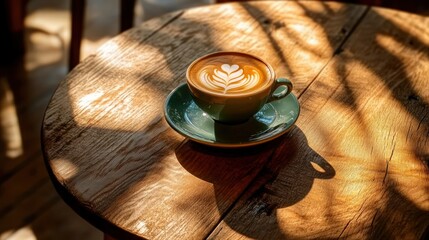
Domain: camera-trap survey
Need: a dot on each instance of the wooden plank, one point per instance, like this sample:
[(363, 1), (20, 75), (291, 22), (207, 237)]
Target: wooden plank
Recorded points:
[(138, 174), (363, 170)]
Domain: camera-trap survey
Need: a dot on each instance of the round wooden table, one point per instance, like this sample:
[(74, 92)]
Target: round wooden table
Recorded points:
[(355, 165)]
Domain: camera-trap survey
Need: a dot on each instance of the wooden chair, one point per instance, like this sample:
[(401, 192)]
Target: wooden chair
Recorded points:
[(12, 28), (78, 19)]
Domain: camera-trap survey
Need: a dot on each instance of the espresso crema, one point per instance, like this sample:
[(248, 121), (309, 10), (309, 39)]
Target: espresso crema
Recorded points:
[(229, 73)]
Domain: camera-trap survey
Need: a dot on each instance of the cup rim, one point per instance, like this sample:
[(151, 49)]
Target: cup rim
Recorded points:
[(262, 89)]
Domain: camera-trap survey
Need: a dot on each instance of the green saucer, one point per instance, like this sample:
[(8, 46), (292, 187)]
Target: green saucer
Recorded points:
[(273, 120)]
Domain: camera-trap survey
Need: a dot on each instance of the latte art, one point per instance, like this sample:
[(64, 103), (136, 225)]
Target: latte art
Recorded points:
[(229, 73), (229, 78)]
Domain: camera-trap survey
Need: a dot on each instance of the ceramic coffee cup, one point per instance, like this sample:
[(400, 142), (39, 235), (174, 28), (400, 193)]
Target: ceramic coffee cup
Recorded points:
[(232, 86)]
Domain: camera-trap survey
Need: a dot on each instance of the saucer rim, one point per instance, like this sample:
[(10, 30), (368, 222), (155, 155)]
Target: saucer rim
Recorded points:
[(221, 144)]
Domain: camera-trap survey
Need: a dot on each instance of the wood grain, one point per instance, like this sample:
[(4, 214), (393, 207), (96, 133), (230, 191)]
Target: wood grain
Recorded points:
[(366, 118), (115, 160)]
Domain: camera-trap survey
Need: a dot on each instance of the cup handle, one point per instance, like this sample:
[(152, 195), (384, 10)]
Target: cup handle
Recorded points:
[(278, 83)]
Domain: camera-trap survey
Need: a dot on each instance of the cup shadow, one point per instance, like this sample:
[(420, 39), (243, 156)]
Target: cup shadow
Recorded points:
[(247, 193), (233, 133)]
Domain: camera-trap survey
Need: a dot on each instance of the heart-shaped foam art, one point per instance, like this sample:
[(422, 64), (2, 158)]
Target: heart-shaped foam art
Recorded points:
[(229, 79)]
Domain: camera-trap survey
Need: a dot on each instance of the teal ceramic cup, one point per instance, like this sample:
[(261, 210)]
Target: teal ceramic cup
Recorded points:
[(233, 86)]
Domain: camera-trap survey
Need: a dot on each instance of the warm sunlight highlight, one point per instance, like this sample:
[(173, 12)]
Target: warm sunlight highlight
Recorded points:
[(120, 101), (65, 167), (298, 27), (141, 226), (108, 48), (313, 41), (118, 107), (24, 233), (10, 133), (49, 31)]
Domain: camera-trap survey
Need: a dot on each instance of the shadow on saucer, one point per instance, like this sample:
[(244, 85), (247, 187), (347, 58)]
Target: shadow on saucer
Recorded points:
[(233, 133), (257, 180)]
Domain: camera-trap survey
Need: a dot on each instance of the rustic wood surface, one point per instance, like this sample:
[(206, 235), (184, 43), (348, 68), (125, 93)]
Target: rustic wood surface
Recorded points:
[(354, 166)]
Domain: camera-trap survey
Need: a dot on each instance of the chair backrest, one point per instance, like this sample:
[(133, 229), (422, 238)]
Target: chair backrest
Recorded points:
[(78, 19)]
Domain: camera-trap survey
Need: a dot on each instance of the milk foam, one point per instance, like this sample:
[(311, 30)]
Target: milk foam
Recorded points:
[(229, 79), (229, 73)]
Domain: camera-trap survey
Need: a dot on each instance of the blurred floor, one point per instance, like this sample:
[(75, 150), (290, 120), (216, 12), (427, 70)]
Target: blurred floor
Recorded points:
[(29, 206)]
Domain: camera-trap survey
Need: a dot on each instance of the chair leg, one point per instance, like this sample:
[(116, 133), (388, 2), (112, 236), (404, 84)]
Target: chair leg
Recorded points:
[(12, 14), (77, 24), (127, 14)]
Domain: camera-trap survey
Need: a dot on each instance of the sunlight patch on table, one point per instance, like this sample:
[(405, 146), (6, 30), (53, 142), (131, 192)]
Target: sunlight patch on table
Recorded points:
[(124, 112), (415, 25), (409, 176), (414, 64), (141, 227), (90, 46), (298, 27), (313, 41), (358, 178), (134, 57), (108, 49), (87, 100), (118, 104), (309, 38), (368, 131), (395, 47), (65, 167)]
